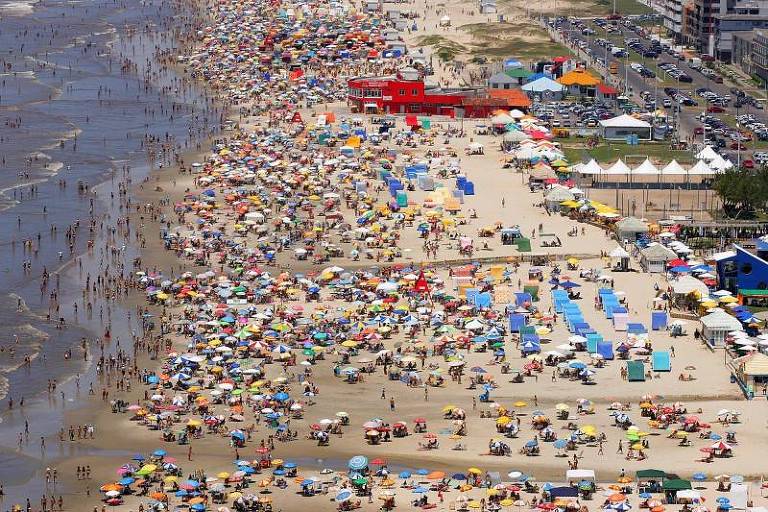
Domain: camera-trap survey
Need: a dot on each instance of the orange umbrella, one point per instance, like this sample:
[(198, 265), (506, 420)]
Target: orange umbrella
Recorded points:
[(436, 475), (158, 496), (111, 487), (617, 498)]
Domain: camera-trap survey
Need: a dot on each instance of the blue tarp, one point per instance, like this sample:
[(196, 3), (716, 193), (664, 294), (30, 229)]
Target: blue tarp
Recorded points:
[(658, 320), (605, 349), (516, 322), (522, 297), (482, 300), (636, 328), (660, 361)]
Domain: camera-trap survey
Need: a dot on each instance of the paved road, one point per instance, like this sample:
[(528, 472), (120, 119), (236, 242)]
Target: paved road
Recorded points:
[(687, 116)]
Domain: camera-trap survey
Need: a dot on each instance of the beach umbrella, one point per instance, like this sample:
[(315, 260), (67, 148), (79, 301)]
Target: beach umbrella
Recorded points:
[(420, 490), (405, 474), (699, 477), (358, 462), (422, 472)]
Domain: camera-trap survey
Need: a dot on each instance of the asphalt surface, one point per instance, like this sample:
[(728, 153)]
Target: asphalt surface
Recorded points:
[(684, 118)]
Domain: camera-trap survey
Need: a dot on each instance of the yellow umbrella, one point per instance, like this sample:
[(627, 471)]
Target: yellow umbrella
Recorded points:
[(223, 475), (506, 502), (194, 423), (637, 446), (728, 299), (589, 430), (520, 403), (561, 407), (503, 420), (473, 504), (448, 408), (170, 479), (349, 344), (475, 471)]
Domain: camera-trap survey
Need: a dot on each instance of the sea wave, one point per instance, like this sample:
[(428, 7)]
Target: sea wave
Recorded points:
[(18, 7)]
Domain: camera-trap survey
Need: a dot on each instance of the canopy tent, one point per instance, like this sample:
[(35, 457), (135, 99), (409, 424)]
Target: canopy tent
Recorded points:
[(673, 169), (701, 169), (619, 168), (591, 167), (646, 168), (620, 127), (707, 154), (650, 474), (629, 227), (689, 284), (515, 136), (556, 196), (655, 257)]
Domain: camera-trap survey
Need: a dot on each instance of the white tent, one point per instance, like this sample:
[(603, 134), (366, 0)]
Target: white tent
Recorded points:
[(543, 84), (707, 154), (720, 163), (701, 169), (619, 252), (620, 127), (673, 169), (517, 114), (619, 168), (646, 168), (591, 167), (687, 284)]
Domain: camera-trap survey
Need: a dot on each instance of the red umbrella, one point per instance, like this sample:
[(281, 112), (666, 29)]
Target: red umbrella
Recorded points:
[(378, 461), (419, 420), (430, 435)]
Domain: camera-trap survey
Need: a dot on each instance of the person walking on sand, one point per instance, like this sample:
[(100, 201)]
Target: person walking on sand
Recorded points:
[(621, 447), (391, 404), (189, 452)]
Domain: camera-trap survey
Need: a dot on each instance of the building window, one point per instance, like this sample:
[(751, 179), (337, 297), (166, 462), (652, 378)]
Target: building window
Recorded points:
[(746, 269), (414, 92), (402, 92)]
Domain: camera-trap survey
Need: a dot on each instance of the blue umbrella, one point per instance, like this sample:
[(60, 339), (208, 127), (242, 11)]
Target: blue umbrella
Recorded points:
[(646, 495), (560, 444), (289, 465), (343, 495), (722, 499), (126, 481), (577, 365), (193, 483), (405, 474), (159, 453), (181, 493), (737, 479), (138, 457), (459, 476), (699, 477), (715, 437), (358, 462), (307, 482), (281, 396), (198, 507), (422, 472), (420, 490)]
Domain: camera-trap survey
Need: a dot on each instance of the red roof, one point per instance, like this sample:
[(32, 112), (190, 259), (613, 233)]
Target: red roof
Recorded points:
[(607, 89), (512, 97)]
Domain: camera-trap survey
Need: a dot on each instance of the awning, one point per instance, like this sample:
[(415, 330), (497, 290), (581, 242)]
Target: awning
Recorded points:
[(676, 484)]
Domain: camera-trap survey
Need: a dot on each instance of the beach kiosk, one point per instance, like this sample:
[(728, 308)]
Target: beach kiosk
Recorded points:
[(716, 325), (654, 258), (630, 228)]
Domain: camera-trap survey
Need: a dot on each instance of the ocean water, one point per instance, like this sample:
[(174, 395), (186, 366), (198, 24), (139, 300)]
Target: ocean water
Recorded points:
[(72, 110)]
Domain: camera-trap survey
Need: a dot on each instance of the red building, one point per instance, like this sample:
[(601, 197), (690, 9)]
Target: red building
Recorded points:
[(397, 95)]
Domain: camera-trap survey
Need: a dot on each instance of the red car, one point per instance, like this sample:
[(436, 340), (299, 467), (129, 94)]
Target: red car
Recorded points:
[(715, 109), (736, 146), (698, 130), (748, 164)]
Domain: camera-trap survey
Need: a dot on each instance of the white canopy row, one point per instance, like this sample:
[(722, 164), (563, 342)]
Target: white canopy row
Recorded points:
[(647, 168)]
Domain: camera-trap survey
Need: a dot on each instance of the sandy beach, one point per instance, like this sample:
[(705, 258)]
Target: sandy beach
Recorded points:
[(274, 313)]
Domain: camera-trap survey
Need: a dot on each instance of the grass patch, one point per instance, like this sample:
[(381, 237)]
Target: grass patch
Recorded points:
[(625, 7), (446, 49), (608, 152), (527, 41)]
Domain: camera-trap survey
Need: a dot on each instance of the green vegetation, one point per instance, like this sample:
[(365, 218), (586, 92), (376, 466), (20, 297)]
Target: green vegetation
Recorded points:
[(446, 49), (526, 41), (576, 150), (744, 192), (625, 7)]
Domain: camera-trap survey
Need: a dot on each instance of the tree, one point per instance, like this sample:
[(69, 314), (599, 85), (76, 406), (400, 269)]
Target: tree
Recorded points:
[(743, 191)]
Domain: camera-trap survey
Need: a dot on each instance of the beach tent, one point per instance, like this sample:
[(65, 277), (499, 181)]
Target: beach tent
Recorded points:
[(591, 167), (577, 475), (689, 284), (701, 169), (646, 168), (618, 169), (629, 228), (605, 349), (620, 320), (660, 361), (673, 169), (635, 371), (650, 474), (556, 196), (707, 154)]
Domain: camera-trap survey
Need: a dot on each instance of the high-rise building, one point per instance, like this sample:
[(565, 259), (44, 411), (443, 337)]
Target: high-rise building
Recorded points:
[(711, 23)]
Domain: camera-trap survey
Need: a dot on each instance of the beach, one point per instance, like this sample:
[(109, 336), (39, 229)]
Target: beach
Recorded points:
[(239, 318)]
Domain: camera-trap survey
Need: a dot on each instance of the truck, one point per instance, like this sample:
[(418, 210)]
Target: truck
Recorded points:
[(694, 63)]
